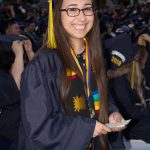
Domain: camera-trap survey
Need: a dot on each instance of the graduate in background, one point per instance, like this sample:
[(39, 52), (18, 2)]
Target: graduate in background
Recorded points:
[(64, 89), (11, 68), (128, 85)]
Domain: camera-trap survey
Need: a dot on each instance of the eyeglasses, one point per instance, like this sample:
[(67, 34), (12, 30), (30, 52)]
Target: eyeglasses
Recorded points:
[(73, 12)]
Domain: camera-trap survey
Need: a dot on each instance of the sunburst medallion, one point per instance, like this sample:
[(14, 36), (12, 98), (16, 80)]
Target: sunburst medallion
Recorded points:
[(79, 103)]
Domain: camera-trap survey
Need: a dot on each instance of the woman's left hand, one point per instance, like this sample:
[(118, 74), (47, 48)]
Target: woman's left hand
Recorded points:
[(116, 117), (28, 48)]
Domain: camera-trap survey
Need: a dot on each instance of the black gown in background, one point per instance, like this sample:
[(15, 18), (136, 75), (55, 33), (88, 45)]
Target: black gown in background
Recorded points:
[(9, 111), (126, 100)]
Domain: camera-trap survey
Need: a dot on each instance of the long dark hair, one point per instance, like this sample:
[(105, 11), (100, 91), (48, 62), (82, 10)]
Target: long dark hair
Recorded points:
[(94, 43)]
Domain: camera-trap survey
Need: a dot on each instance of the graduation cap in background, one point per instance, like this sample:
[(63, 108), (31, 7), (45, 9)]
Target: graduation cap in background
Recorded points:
[(7, 40), (121, 49)]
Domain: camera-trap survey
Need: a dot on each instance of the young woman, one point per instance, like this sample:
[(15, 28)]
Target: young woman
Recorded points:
[(128, 87), (64, 90)]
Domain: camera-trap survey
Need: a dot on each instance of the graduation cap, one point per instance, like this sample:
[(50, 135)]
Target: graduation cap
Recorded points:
[(121, 49), (7, 40)]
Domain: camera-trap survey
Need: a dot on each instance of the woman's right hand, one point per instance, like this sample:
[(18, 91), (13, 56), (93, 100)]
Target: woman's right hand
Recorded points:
[(100, 129)]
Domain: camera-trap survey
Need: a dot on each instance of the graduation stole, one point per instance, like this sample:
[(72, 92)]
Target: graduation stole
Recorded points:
[(87, 66), (86, 77)]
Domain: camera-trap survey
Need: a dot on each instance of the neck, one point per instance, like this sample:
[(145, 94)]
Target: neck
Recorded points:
[(78, 46)]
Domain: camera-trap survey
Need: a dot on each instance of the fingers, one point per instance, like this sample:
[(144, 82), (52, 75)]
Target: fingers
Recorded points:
[(28, 45), (118, 129), (100, 129), (17, 44), (115, 117), (26, 42), (17, 47), (105, 128)]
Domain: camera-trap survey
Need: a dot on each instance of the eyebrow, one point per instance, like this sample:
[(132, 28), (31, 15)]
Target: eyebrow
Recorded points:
[(76, 4)]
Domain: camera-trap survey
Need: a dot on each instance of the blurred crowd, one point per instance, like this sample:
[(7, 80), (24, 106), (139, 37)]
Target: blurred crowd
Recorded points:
[(28, 23), (31, 20), (25, 19)]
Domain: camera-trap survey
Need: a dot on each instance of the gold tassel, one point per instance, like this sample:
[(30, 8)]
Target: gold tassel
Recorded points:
[(132, 75), (51, 42)]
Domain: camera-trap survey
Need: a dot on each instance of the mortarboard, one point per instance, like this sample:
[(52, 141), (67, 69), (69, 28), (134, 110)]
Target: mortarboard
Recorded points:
[(7, 40), (121, 49)]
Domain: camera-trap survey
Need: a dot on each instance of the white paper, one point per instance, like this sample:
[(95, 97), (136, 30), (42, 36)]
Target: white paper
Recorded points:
[(121, 124)]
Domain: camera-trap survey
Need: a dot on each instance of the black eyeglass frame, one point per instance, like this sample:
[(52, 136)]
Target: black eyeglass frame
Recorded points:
[(67, 9)]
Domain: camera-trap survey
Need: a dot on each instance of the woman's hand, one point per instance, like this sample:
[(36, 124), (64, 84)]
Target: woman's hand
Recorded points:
[(100, 129), (28, 48), (116, 117), (17, 47)]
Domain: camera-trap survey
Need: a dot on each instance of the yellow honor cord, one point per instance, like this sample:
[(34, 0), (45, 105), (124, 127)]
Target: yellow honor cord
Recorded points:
[(87, 65), (132, 74), (51, 42)]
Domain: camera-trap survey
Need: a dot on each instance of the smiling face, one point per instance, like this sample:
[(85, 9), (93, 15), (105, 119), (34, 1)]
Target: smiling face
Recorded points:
[(76, 27)]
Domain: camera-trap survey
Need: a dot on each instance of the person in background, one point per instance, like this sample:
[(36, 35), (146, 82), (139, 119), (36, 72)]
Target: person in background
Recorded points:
[(11, 30), (108, 33), (11, 27), (127, 85), (11, 68), (29, 31), (64, 101)]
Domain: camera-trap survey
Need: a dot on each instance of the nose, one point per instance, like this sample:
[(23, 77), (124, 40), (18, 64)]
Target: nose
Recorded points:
[(81, 16)]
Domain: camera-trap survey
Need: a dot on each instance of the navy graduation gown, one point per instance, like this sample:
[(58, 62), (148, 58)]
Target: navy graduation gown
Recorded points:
[(9, 93), (126, 98), (45, 124), (9, 111)]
